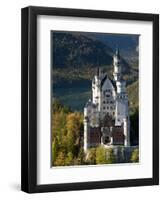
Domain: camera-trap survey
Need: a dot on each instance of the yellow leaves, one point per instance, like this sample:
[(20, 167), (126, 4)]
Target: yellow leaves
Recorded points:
[(67, 128), (60, 161), (135, 156), (73, 123)]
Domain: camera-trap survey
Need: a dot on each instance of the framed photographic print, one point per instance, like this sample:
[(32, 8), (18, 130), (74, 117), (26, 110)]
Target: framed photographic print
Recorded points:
[(90, 99)]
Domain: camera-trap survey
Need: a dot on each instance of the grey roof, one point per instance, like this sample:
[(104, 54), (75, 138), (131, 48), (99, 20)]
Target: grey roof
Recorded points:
[(103, 80), (94, 105), (89, 103), (98, 71), (113, 83), (93, 80), (118, 53)]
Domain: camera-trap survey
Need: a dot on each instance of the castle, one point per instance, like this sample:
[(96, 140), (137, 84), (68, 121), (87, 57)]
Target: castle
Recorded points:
[(106, 115)]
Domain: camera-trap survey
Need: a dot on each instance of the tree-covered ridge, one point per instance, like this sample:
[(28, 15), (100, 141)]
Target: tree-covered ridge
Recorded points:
[(77, 50), (133, 94), (76, 53)]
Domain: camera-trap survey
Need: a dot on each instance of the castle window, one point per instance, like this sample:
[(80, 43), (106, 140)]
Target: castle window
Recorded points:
[(107, 107), (104, 108), (103, 101)]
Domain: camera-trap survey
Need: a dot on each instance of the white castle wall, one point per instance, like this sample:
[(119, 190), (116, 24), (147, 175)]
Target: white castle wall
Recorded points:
[(105, 99), (121, 111)]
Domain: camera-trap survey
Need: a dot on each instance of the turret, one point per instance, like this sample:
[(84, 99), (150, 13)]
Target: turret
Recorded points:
[(86, 132), (98, 72), (117, 66), (96, 87), (87, 112), (121, 87), (121, 109), (120, 83), (126, 126)]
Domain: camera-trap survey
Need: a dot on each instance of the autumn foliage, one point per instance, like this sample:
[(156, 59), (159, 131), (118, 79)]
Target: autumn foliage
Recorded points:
[(67, 141)]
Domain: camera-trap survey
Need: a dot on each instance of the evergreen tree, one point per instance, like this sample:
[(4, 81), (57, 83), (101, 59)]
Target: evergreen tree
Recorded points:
[(135, 155)]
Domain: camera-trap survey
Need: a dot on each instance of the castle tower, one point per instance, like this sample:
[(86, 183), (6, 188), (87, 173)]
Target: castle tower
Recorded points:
[(108, 99), (121, 109), (87, 111), (96, 87), (86, 132), (117, 66), (126, 128)]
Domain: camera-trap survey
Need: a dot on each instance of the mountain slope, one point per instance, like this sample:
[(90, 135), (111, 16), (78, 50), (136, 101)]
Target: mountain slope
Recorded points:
[(133, 93), (122, 41), (76, 55), (77, 50), (128, 45)]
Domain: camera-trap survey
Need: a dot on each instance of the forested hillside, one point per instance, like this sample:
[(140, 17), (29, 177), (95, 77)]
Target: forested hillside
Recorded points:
[(77, 50)]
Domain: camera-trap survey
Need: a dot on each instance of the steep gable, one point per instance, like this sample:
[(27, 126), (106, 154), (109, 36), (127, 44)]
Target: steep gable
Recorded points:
[(107, 84)]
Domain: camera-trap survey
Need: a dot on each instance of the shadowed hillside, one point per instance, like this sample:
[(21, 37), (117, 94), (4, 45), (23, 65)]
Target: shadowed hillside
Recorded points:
[(75, 57), (76, 50)]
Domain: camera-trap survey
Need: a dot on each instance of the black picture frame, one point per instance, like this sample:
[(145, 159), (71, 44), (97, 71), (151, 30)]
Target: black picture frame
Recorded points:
[(29, 99)]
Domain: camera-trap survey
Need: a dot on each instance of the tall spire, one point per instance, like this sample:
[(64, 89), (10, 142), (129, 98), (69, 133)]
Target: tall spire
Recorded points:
[(117, 53), (117, 66), (98, 71)]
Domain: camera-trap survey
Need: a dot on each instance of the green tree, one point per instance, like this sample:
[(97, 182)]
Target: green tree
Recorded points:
[(91, 157), (69, 159), (60, 160), (100, 156), (81, 156), (67, 136), (134, 120), (135, 155), (73, 125), (110, 156), (56, 106), (104, 156), (54, 150), (58, 125)]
